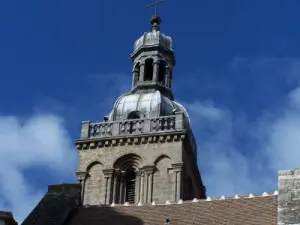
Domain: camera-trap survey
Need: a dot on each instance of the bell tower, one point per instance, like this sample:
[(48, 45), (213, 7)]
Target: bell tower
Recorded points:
[(144, 151), (153, 61)]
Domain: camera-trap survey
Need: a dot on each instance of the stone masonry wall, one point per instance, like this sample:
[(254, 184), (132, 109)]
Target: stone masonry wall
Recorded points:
[(162, 155), (289, 197)]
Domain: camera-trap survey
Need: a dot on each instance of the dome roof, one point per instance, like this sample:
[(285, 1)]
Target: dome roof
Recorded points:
[(144, 105), (153, 38)]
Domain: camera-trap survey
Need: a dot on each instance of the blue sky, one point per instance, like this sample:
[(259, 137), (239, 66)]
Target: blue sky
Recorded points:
[(237, 72)]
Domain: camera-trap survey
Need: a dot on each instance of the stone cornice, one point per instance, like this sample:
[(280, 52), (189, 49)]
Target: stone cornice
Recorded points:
[(92, 143)]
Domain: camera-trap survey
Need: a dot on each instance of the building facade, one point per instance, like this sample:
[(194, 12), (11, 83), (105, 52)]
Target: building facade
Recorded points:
[(145, 150)]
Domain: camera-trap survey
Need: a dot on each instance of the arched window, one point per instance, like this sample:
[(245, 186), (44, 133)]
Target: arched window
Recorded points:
[(162, 72), (129, 179), (135, 115), (126, 187), (136, 74), (148, 76)]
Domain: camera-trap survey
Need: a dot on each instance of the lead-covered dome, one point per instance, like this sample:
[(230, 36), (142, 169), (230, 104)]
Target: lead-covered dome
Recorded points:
[(144, 105), (154, 38)]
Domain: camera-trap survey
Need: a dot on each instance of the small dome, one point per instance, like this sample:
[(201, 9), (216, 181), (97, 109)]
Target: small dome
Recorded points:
[(144, 105), (152, 39)]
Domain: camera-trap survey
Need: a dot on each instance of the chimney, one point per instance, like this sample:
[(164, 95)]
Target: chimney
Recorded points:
[(6, 218)]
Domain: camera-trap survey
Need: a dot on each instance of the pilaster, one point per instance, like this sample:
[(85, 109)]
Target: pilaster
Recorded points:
[(148, 170), (155, 70), (177, 168), (142, 71), (81, 177), (108, 174)]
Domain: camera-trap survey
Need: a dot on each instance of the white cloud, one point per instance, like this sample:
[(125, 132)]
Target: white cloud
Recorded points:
[(38, 142), (272, 144)]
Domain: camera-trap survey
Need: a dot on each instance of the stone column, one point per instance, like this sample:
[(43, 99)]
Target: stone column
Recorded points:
[(81, 177), (149, 182), (289, 197), (135, 75), (168, 76), (177, 168), (114, 192), (142, 71), (121, 195), (108, 173), (155, 70), (142, 191), (137, 186)]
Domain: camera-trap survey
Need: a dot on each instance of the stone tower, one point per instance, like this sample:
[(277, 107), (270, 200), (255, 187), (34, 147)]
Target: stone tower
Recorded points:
[(145, 149)]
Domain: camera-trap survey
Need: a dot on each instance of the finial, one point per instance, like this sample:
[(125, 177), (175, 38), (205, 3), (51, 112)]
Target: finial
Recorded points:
[(155, 19)]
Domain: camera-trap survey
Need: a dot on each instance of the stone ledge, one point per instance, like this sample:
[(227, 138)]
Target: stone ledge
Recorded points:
[(129, 140)]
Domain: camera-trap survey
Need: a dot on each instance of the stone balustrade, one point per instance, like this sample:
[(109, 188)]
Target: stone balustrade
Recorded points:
[(133, 127)]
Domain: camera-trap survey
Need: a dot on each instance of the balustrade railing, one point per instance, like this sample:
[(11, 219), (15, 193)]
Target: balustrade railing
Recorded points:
[(132, 127)]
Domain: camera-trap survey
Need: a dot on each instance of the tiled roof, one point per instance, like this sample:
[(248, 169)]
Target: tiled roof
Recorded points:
[(55, 206), (252, 210)]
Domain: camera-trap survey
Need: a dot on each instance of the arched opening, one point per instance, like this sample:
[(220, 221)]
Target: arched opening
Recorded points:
[(162, 72), (135, 115), (130, 180), (148, 76), (136, 74), (126, 189), (94, 189)]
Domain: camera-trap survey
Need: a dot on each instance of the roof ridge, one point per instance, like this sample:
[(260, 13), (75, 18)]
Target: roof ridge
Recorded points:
[(195, 200)]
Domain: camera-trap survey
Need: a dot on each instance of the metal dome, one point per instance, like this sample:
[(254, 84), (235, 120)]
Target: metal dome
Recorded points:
[(153, 39), (144, 105)]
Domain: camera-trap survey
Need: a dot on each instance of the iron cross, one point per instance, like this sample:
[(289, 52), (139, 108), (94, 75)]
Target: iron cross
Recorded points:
[(155, 4)]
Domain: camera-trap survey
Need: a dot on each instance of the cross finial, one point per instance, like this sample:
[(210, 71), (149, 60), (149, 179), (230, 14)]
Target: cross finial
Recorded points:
[(155, 20), (155, 5)]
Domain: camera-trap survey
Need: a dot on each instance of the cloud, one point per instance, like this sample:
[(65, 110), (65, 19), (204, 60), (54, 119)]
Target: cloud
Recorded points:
[(238, 155), (31, 149)]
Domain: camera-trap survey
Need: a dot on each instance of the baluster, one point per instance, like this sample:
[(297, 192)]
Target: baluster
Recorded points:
[(128, 126), (160, 125), (122, 128), (109, 129), (103, 130), (133, 127)]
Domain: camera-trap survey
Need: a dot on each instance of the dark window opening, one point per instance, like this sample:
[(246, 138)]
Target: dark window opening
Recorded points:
[(170, 78), (135, 115), (130, 185), (162, 72), (136, 74), (148, 70)]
